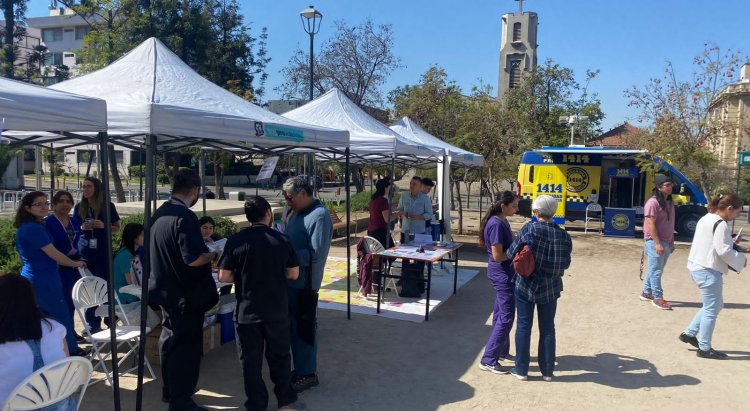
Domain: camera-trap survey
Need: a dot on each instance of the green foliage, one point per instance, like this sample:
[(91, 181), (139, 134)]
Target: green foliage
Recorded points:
[(10, 261), (359, 202)]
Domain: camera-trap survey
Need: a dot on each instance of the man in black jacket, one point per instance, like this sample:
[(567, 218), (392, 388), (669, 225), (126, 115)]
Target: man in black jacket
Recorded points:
[(184, 288)]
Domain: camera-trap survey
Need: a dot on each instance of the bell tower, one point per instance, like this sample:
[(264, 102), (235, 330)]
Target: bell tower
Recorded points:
[(517, 48)]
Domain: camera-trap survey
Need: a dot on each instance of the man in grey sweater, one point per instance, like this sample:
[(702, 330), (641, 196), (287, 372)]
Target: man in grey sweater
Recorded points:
[(310, 231)]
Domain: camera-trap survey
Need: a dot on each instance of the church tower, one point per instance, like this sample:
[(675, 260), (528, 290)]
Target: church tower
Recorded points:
[(517, 48)]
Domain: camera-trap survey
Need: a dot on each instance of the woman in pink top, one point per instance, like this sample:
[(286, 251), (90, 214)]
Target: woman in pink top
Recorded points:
[(658, 233)]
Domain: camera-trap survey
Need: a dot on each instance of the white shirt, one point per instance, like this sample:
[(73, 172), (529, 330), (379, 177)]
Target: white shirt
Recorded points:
[(17, 359), (714, 249)]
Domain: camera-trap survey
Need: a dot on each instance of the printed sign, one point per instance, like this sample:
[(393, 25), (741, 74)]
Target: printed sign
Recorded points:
[(745, 158), (578, 179), (284, 133), (266, 172)]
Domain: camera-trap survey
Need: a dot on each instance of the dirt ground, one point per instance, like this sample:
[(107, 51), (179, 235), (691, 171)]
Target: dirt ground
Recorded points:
[(613, 351)]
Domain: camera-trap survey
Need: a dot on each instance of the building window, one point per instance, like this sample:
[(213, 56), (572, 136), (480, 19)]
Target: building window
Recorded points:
[(515, 73), (82, 31), (82, 156), (53, 59), (49, 35), (516, 31)]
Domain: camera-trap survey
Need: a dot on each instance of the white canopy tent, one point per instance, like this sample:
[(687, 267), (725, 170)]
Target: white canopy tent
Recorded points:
[(156, 100), (371, 140), (416, 134), (150, 91)]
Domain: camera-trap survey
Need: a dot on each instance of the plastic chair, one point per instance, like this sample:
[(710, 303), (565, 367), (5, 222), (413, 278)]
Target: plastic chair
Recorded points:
[(51, 384), (594, 209), (91, 292), (372, 246)]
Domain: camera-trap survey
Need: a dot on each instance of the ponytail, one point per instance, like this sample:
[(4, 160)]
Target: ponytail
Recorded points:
[(723, 201), (506, 198)]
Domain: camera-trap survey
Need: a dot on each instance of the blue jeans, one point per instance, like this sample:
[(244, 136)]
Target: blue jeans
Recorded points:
[(546, 352), (711, 285), (656, 263)]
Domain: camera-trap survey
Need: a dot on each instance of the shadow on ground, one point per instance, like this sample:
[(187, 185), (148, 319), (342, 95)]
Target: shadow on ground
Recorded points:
[(617, 371)]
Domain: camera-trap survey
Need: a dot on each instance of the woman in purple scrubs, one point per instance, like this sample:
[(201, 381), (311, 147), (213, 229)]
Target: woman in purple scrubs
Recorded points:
[(496, 236)]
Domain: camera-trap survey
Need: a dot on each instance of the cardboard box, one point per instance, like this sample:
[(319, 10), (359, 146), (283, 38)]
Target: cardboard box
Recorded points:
[(211, 337)]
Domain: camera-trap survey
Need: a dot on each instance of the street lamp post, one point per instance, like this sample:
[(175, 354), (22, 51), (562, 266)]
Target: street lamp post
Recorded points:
[(571, 121), (311, 19)]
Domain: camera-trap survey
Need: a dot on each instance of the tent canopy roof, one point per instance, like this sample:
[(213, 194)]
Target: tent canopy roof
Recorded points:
[(151, 91), (27, 107), (412, 131), (369, 137)]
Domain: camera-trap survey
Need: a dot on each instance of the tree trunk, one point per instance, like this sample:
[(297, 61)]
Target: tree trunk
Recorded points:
[(115, 174), (460, 208), (357, 177), (218, 177)]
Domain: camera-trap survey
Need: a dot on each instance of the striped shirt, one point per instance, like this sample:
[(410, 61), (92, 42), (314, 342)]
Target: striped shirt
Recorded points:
[(552, 247)]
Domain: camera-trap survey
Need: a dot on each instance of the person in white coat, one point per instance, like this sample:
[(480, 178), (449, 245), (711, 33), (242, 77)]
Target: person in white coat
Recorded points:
[(712, 254)]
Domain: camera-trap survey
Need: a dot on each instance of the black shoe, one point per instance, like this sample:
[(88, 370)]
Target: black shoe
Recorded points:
[(689, 340), (80, 353), (303, 382), (79, 338), (712, 354)]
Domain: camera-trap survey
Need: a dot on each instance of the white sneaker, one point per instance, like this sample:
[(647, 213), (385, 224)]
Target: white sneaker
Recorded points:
[(519, 376), (546, 378)]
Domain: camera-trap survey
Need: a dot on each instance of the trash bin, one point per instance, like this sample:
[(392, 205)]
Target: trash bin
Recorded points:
[(224, 318)]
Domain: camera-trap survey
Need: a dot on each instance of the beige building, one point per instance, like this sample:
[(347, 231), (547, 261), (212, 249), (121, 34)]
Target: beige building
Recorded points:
[(517, 48), (731, 108)]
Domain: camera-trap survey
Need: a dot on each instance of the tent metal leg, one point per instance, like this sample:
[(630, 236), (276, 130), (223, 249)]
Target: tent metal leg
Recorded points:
[(110, 269), (348, 240), (146, 263)]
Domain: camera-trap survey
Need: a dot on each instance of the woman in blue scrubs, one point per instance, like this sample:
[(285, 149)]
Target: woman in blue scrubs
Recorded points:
[(40, 262)]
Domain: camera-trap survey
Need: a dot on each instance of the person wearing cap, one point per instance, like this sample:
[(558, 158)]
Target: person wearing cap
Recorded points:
[(552, 248), (658, 233)]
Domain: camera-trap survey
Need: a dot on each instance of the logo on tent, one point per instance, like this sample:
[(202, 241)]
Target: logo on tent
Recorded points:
[(259, 129)]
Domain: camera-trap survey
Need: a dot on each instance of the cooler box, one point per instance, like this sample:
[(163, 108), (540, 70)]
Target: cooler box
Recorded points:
[(619, 222), (224, 318)]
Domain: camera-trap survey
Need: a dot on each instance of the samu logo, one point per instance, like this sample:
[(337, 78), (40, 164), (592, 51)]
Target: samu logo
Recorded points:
[(259, 129), (620, 222)]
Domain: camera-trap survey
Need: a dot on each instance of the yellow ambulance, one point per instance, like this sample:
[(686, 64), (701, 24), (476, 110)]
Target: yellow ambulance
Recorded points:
[(613, 178)]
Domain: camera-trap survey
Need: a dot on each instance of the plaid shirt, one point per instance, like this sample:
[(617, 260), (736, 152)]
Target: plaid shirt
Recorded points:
[(552, 247)]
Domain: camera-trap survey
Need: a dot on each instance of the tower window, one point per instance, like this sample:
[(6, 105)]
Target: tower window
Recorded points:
[(516, 31), (515, 73)]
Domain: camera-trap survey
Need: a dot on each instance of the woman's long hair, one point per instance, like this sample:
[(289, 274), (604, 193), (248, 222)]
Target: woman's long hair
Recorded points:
[(22, 214), (380, 187), (129, 234), (661, 198), (96, 204), (506, 198), (20, 318), (723, 201)]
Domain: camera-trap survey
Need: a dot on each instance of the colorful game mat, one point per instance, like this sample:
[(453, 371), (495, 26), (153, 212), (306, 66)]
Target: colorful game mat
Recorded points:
[(333, 292)]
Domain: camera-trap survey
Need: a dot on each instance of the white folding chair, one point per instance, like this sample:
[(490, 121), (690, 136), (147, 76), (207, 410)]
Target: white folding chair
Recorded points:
[(372, 246), (595, 212), (51, 384), (91, 292)]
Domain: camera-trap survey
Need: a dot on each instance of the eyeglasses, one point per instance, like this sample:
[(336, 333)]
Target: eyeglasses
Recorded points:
[(44, 204)]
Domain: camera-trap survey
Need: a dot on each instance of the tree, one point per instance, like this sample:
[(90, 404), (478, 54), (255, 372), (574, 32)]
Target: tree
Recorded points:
[(14, 15), (677, 112), (357, 60)]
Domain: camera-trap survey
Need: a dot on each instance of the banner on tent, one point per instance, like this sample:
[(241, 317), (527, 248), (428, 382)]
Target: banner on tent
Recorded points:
[(278, 132)]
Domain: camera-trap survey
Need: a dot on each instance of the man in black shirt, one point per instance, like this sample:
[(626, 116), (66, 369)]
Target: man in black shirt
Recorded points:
[(259, 260), (184, 288)]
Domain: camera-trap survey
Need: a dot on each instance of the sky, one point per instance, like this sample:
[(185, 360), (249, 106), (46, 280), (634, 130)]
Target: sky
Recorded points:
[(628, 41)]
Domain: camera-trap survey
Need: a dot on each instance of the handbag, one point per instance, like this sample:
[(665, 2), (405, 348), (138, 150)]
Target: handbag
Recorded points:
[(524, 262), (307, 308)]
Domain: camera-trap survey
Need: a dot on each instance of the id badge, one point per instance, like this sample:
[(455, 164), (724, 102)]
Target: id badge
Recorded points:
[(93, 243)]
